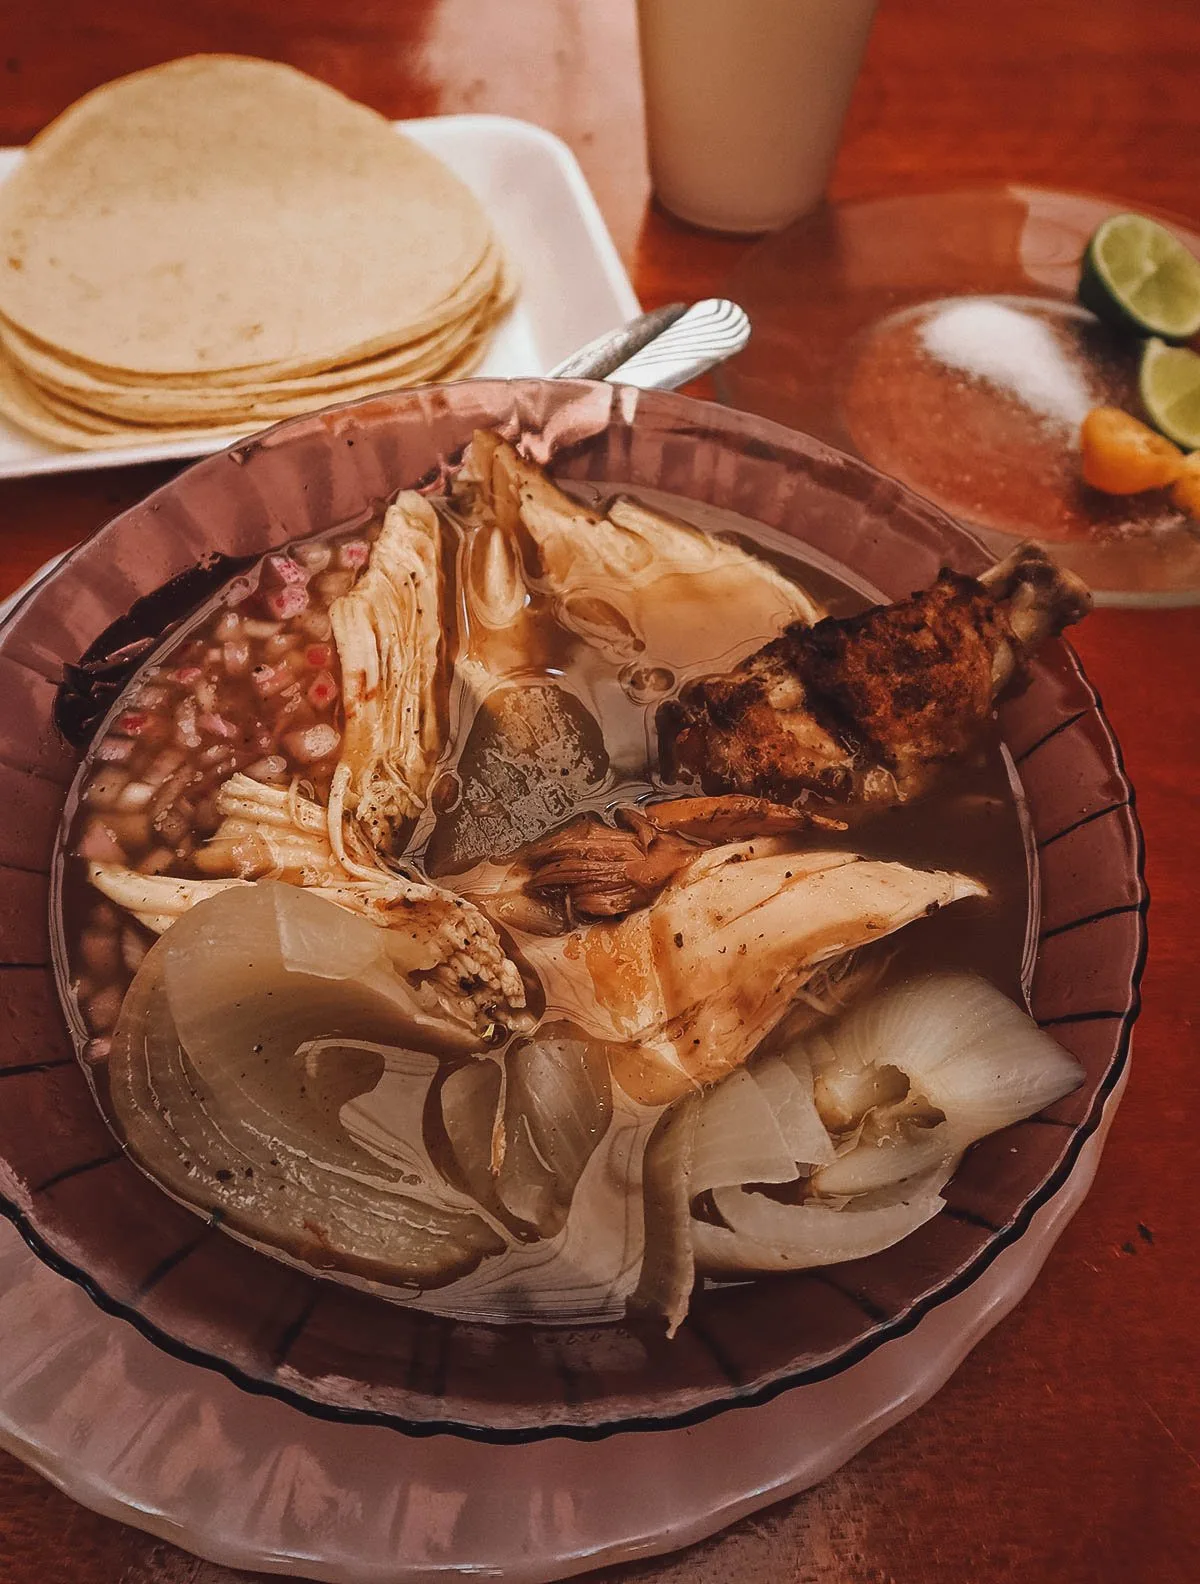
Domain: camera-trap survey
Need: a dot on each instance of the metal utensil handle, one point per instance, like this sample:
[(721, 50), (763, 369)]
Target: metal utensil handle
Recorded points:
[(707, 334), (615, 347)]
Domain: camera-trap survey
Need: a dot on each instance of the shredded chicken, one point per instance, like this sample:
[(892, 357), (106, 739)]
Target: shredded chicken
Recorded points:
[(388, 630), (683, 990), (154, 900), (867, 708), (627, 581), (732, 818), (430, 931), (272, 833), (589, 869), (592, 869)]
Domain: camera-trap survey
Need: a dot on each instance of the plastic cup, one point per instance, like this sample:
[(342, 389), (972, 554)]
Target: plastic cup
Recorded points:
[(745, 101)]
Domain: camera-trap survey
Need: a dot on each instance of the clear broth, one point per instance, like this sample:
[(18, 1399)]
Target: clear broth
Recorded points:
[(560, 729)]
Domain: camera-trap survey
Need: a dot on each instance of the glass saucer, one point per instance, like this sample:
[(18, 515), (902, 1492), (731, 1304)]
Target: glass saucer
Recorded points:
[(938, 338)]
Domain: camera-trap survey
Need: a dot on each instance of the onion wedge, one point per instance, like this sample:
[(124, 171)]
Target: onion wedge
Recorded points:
[(245, 1047), (761, 1235), (926, 1069)]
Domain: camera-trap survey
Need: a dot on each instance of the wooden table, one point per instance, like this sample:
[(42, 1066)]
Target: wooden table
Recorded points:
[(1067, 1448)]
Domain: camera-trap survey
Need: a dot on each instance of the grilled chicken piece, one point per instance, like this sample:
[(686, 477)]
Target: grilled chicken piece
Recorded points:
[(682, 991), (865, 709)]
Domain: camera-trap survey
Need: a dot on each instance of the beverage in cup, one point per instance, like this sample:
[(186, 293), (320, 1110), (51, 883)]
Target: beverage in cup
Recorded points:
[(745, 101)]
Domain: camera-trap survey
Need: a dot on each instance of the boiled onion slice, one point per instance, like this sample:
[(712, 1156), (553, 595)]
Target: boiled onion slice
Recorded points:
[(587, 1271), (738, 1138), (787, 1086), (668, 1271), (251, 1035), (522, 1145), (762, 1235), (926, 1069), (916, 1074)]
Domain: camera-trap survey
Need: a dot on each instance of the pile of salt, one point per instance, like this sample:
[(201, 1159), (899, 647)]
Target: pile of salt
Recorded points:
[(1011, 350)]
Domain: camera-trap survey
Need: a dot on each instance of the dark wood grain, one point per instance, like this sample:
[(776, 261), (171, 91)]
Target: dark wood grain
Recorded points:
[(1067, 1448)]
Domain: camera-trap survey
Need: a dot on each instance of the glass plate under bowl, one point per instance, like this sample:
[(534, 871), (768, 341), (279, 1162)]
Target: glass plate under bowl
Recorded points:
[(839, 301), (351, 1356)]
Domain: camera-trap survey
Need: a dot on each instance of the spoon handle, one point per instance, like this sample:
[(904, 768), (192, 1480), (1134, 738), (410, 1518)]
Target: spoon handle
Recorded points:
[(663, 349), (610, 350), (707, 334)]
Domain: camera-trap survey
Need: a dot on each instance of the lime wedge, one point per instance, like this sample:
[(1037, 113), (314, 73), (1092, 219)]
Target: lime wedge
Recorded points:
[(1137, 275), (1169, 384)]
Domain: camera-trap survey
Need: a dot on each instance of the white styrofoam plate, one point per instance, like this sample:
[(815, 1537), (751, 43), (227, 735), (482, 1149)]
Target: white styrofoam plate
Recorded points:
[(573, 284)]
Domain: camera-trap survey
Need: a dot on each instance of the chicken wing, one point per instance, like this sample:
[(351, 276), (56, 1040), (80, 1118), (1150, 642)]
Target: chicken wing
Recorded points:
[(867, 708)]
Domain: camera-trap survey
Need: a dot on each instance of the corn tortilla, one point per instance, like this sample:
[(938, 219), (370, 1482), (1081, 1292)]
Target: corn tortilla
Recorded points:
[(64, 423), (47, 363), (424, 362), (220, 214)]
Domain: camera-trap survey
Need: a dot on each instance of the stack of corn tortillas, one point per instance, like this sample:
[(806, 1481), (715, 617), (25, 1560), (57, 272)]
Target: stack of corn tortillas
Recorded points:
[(212, 245)]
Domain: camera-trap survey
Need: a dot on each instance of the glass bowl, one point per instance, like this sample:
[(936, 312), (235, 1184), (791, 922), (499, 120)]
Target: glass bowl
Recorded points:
[(89, 1212), (843, 304)]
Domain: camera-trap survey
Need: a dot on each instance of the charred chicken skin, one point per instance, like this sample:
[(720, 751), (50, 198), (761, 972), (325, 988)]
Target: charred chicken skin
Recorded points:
[(865, 709)]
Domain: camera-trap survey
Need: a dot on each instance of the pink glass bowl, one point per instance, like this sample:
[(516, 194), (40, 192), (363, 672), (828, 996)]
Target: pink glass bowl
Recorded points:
[(329, 1350)]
